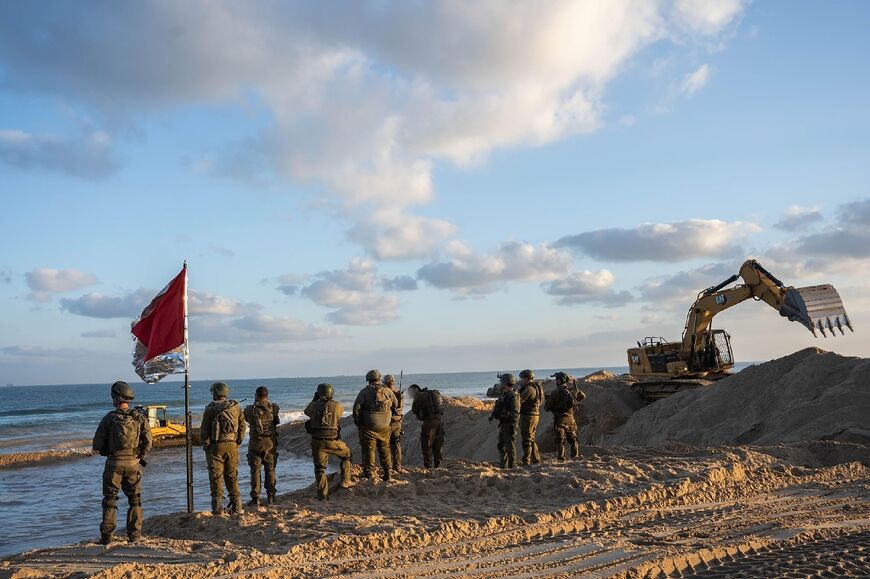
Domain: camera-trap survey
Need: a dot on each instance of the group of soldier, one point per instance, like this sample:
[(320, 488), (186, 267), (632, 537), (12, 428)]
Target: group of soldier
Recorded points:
[(124, 437), (519, 408)]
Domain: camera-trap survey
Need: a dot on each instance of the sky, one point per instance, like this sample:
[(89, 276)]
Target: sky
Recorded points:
[(434, 186)]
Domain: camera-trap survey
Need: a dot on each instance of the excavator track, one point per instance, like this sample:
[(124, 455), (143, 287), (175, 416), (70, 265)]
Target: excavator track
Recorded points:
[(652, 390)]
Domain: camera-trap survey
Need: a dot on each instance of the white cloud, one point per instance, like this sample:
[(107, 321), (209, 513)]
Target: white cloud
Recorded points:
[(399, 236), (587, 287), (365, 97), (400, 283), (677, 241), (202, 303), (354, 295), (469, 273), (98, 334), (58, 280), (695, 81), (797, 218), (97, 305), (87, 155), (681, 289), (256, 329)]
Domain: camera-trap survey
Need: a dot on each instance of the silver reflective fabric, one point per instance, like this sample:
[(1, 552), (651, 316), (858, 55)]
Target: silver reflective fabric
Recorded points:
[(158, 367)]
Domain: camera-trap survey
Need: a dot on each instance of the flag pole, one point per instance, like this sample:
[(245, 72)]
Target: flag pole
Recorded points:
[(187, 418)]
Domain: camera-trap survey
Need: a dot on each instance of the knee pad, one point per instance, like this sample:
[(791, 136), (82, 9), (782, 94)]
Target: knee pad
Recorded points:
[(110, 502)]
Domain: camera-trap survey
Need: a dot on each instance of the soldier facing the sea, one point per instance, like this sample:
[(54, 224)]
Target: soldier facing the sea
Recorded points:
[(324, 426), (531, 398), (372, 413), (507, 412), (396, 426), (262, 419), (222, 431), (428, 406), (561, 403), (124, 438)]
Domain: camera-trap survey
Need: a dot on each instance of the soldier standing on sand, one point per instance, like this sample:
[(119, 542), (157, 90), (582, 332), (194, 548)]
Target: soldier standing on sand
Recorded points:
[(262, 419), (372, 412), (428, 406), (507, 412), (124, 438), (222, 431), (324, 426), (531, 398), (396, 423), (561, 403)]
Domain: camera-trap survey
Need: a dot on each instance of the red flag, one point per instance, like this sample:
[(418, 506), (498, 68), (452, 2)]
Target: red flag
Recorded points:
[(159, 333)]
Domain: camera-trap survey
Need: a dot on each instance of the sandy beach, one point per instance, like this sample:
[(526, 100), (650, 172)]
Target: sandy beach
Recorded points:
[(669, 508)]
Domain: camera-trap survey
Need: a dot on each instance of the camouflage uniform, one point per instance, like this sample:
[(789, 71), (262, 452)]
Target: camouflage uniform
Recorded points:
[(507, 412), (124, 438), (325, 430), (561, 404), (372, 414), (431, 428), (222, 454), (531, 398), (262, 419)]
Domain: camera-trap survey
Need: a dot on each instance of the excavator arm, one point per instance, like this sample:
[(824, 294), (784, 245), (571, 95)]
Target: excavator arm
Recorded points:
[(816, 307)]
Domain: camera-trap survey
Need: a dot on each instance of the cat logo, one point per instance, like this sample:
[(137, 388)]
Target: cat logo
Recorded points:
[(721, 299)]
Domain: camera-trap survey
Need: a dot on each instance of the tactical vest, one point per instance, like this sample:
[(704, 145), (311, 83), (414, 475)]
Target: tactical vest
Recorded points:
[(533, 406), (378, 410), (562, 401), (505, 410), (262, 420), (325, 420), (225, 426), (124, 433)]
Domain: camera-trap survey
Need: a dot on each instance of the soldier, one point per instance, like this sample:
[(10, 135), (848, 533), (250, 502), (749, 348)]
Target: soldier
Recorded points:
[(372, 412), (507, 412), (324, 426), (124, 438), (531, 398), (396, 423), (428, 406), (561, 403), (262, 419), (222, 431)]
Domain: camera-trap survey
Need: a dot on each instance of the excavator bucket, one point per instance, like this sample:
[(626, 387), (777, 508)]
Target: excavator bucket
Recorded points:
[(818, 307)]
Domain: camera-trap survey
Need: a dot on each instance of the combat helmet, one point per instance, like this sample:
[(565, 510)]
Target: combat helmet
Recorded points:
[(122, 391), (325, 391), (389, 380), (561, 377), (373, 376), (507, 378), (527, 375), (220, 389)]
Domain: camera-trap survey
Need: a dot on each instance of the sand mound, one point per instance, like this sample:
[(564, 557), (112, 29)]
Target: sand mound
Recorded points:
[(23, 459), (809, 395)]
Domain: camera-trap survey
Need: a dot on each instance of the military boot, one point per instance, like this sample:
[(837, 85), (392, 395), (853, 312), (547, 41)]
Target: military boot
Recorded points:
[(105, 539), (270, 499), (236, 507), (254, 502), (134, 537), (216, 506)]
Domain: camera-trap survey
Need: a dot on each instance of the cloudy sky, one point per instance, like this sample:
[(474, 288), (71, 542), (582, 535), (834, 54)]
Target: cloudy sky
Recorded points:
[(438, 186)]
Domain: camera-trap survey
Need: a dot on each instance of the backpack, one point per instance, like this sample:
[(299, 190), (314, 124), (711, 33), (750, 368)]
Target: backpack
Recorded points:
[(262, 420), (225, 424), (382, 401), (563, 401), (124, 433)]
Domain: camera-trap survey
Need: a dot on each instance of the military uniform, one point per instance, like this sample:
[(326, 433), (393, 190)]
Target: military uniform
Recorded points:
[(124, 438), (561, 403), (428, 413), (372, 413), (531, 398), (507, 412), (222, 431), (262, 419), (396, 431), (325, 429)]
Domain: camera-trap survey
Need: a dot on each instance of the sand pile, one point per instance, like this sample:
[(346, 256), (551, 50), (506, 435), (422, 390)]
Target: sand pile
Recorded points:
[(22, 459), (809, 395)]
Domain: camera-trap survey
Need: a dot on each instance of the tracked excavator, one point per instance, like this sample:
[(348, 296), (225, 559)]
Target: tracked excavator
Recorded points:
[(704, 354)]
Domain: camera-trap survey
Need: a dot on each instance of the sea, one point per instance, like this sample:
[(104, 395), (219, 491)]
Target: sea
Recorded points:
[(59, 503)]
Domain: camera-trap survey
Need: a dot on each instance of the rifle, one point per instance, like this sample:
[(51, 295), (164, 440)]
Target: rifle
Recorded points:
[(401, 375)]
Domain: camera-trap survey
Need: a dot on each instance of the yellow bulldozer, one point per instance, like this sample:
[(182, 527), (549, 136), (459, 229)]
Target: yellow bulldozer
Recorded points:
[(704, 354), (164, 431)]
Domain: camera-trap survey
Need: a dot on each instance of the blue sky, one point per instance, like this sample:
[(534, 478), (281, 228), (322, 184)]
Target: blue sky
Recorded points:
[(435, 186)]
